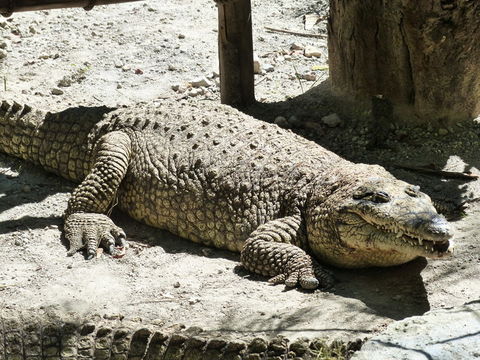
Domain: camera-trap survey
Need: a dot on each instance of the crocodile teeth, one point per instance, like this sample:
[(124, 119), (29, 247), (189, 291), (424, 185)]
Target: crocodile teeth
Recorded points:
[(420, 242), (399, 234)]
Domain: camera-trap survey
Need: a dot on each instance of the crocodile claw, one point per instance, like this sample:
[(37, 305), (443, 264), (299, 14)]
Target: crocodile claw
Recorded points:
[(91, 230)]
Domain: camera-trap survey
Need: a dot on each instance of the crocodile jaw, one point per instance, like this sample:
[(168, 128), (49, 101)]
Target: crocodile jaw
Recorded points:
[(371, 244)]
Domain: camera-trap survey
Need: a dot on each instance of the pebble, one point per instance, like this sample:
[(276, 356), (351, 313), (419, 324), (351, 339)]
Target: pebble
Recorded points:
[(308, 76), (181, 36), (175, 87), (297, 46), (26, 188), (268, 67), (294, 121), (65, 82), (4, 44), (282, 122), (199, 82), (176, 285), (3, 54), (56, 91), (442, 132), (332, 120), (257, 66), (312, 51), (195, 92)]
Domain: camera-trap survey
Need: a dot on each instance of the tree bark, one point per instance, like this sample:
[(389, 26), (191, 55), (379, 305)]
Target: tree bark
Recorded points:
[(424, 56)]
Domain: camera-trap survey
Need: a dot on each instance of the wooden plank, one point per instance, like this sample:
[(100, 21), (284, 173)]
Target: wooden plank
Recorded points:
[(235, 48), (7, 7)]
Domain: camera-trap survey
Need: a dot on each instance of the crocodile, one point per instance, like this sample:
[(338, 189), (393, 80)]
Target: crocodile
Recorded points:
[(45, 335), (213, 175)]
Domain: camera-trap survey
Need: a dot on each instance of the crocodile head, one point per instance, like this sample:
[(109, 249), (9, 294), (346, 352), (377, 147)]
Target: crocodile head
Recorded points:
[(370, 218)]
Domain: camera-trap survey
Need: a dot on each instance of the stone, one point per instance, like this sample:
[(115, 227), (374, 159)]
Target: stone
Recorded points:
[(268, 67), (312, 51), (257, 66), (438, 334), (282, 122), (308, 76), (297, 46), (199, 82), (57, 91), (332, 120), (4, 44), (3, 54), (442, 132)]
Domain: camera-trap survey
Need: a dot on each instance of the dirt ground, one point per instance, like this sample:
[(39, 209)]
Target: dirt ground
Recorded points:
[(149, 51)]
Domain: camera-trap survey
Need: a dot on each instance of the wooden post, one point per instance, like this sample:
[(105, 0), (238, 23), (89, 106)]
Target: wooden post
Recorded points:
[(235, 50), (7, 7)]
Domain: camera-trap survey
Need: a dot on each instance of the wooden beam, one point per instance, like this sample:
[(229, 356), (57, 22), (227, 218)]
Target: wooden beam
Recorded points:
[(7, 7), (235, 50)]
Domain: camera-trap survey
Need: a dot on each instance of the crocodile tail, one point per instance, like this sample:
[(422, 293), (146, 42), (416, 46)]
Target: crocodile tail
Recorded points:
[(56, 141)]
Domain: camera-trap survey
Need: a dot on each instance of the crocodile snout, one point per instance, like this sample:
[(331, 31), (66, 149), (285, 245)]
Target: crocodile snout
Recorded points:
[(439, 227)]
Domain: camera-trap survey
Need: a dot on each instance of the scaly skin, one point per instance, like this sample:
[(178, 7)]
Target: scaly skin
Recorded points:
[(215, 176), (30, 336)]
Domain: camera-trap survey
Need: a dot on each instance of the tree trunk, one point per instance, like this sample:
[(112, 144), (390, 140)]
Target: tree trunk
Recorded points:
[(424, 56)]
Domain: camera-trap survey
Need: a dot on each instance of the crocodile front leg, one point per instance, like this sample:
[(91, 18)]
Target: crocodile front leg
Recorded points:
[(85, 222), (269, 251)]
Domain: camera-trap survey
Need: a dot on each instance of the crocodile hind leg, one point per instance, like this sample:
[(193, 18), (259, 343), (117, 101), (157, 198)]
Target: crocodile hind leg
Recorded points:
[(269, 251), (86, 226)]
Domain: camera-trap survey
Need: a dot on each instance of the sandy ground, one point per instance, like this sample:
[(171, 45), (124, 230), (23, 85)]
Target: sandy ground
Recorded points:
[(136, 52)]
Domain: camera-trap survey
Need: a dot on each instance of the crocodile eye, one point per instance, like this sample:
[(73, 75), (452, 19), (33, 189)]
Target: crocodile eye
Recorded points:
[(413, 191), (376, 197)]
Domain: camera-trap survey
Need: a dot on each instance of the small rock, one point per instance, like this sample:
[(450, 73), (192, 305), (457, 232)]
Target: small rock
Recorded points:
[(3, 54), (196, 83), (18, 242), (268, 67), (65, 82), (193, 300), (331, 120), (297, 46), (308, 76), (207, 252), (181, 36), (32, 29), (119, 86), (312, 51), (4, 44), (56, 91), (257, 66), (195, 92), (171, 67), (282, 122), (175, 87), (26, 188), (442, 132), (118, 64), (294, 121), (176, 285)]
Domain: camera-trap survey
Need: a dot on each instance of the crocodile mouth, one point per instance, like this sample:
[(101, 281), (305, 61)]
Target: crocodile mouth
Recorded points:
[(429, 245)]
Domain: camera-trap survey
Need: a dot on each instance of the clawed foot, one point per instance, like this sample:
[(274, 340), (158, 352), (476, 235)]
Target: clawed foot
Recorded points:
[(90, 231), (306, 278)]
